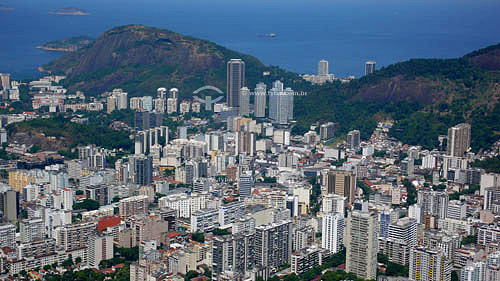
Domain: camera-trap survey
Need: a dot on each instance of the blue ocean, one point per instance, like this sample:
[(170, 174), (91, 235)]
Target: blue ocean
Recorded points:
[(345, 32)]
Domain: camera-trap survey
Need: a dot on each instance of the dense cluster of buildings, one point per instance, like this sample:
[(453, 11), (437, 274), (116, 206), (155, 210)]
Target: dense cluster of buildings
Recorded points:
[(249, 199)]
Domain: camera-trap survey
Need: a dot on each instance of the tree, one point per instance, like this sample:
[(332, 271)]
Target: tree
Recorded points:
[(87, 204), (68, 262), (291, 277), (471, 239), (381, 258), (198, 237), (78, 260), (394, 269), (191, 274), (129, 254), (219, 232), (47, 267)]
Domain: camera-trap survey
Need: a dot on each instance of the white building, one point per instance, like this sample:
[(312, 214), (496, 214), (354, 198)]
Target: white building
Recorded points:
[(332, 237)]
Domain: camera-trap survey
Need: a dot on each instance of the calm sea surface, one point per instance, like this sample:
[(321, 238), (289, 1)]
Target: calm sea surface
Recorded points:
[(345, 32)]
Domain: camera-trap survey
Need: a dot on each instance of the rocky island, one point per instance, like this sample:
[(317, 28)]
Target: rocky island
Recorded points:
[(67, 45), (69, 11)]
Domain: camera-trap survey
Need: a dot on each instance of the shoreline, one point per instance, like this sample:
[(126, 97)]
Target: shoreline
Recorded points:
[(56, 49), (70, 13)]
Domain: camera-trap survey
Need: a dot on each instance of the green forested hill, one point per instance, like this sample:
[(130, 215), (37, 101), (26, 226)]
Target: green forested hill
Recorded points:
[(424, 96)]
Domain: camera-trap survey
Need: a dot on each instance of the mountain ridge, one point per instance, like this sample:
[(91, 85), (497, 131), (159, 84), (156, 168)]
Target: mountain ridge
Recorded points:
[(141, 59)]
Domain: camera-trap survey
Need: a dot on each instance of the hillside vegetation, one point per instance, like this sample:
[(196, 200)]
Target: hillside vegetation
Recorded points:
[(141, 59), (423, 96)]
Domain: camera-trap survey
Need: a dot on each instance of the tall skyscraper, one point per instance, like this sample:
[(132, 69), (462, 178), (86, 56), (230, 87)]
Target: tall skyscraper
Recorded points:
[(280, 103), (235, 81), (361, 244), (244, 106), (260, 100), (11, 207), (426, 264), (232, 253), (327, 131), (433, 203), (342, 183), (353, 139), (245, 142), (401, 238), (173, 93), (5, 81), (273, 244), (143, 170), (323, 67), (332, 237), (369, 67), (458, 140), (142, 120)]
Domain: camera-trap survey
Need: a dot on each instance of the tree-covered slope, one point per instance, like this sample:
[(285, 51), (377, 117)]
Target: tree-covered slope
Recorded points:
[(424, 96), (141, 59)]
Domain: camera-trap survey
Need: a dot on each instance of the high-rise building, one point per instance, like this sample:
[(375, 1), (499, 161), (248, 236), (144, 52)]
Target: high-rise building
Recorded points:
[(332, 237), (245, 185), (110, 104), (404, 229), (426, 264), (245, 143), (135, 205), (98, 193), (171, 105), (31, 230), (143, 170), (232, 253), (67, 195), (100, 248), (244, 105), (8, 236), (342, 183), (458, 140), (260, 100), (235, 81), (361, 244), (323, 67), (370, 67), (173, 93), (456, 210), (353, 140), (280, 103), (327, 131), (473, 272), (401, 238), (11, 207), (142, 120), (434, 203), (334, 203), (5, 81), (273, 244), (75, 236)]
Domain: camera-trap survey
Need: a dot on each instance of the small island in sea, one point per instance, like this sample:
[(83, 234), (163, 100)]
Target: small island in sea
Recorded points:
[(70, 11), (5, 8), (67, 45)]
